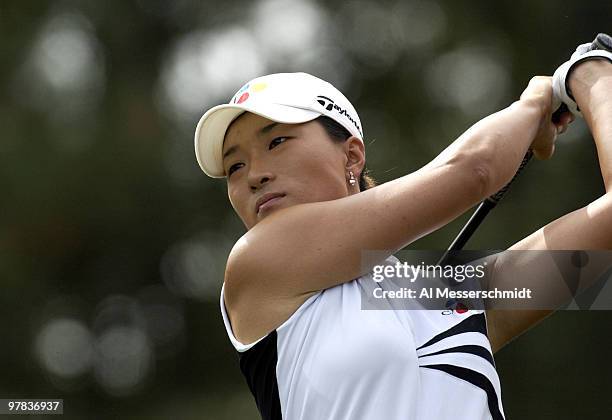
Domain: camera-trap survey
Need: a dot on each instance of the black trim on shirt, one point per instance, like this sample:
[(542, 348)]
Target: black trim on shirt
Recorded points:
[(258, 365), (473, 323), (468, 348), (476, 379)]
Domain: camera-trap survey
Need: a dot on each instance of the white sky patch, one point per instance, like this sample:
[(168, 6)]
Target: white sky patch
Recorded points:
[(286, 29), (469, 79), (379, 34), (63, 74), (367, 33), (66, 55), (417, 23), (298, 35), (64, 347), (123, 359), (195, 268), (206, 68)]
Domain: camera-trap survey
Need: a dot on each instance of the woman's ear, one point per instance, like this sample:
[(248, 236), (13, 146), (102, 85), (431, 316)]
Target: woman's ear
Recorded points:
[(355, 155)]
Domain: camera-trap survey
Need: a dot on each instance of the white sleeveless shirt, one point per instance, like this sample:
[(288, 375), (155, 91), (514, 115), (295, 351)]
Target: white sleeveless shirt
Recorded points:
[(332, 360)]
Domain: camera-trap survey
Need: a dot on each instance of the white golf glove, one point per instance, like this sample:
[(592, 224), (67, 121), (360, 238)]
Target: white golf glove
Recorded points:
[(599, 49)]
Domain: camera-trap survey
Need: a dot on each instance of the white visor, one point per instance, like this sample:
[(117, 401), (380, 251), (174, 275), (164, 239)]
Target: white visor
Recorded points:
[(289, 98)]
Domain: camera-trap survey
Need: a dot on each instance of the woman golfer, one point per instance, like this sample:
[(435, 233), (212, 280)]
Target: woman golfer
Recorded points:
[(291, 149)]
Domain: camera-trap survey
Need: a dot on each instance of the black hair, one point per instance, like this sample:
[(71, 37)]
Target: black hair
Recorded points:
[(340, 134)]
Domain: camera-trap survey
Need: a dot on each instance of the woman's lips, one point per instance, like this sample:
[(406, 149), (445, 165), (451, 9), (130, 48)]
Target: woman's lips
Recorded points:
[(267, 201)]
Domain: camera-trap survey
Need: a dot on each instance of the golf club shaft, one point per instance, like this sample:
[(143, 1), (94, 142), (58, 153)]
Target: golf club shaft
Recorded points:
[(481, 212)]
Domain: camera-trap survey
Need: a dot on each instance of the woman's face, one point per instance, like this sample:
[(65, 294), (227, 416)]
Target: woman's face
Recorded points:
[(280, 165)]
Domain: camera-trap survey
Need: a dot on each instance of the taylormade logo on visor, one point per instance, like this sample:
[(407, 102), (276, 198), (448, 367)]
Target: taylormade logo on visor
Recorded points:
[(330, 105)]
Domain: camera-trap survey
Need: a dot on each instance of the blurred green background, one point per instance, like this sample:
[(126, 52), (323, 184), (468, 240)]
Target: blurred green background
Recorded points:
[(113, 242)]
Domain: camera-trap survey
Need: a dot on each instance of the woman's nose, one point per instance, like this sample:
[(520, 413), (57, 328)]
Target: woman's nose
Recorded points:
[(257, 178), (256, 185)]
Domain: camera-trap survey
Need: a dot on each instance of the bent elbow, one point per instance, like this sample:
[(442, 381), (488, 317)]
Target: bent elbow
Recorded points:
[(235, 268), (478, 172), (481, 174)]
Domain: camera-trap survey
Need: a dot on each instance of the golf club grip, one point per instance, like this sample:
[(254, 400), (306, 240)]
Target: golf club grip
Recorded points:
[(496, 198), (556, 116)]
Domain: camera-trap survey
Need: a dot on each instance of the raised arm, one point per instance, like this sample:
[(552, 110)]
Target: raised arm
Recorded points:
[(300, 250), (588, 228), (591, 84)]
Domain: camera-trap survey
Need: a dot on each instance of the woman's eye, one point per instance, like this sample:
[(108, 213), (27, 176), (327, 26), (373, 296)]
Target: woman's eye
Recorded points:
[(277, 141), (234, 168)]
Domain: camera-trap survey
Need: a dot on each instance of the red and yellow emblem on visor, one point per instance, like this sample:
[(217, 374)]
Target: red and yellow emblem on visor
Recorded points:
[(247, 90)]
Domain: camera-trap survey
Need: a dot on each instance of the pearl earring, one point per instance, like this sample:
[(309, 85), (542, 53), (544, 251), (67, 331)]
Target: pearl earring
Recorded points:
[(352, 179)]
